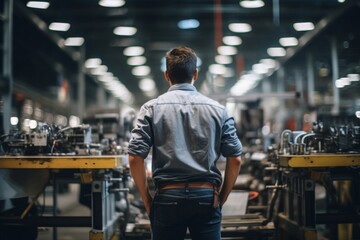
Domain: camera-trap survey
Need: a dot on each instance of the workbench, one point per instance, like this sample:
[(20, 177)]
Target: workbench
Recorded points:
[(94, 170), (300, 174)]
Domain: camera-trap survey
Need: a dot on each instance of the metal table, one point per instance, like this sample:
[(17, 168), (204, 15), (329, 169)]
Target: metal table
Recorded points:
[(103, 220), (300, 173)]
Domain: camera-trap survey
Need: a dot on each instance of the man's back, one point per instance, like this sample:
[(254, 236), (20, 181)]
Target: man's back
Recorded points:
[(187, 130)]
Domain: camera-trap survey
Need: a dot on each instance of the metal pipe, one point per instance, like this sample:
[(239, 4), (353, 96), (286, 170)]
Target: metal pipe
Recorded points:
[(288, 132), (306, 136)]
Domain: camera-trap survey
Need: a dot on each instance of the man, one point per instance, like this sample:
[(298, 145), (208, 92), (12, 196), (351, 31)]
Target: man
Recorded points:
[(187, 132)]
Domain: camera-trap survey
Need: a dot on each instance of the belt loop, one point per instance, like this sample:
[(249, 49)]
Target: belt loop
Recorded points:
[(187, 186), (216, 197)]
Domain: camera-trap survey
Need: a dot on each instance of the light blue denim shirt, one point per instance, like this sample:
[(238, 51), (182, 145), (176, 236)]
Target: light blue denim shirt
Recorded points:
[(188, 131)]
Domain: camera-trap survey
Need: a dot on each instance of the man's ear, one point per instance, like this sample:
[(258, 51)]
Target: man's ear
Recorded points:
[(166, 74), (196, 74)]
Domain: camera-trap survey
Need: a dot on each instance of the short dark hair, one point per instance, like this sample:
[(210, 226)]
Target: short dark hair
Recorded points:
[(181, 64)]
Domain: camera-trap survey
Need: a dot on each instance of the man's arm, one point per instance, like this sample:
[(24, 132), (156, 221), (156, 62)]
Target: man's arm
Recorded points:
[(232, 170), (138, 173)]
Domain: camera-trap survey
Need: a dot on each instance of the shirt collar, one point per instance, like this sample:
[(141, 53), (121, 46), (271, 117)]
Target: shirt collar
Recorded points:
[(182, 86)]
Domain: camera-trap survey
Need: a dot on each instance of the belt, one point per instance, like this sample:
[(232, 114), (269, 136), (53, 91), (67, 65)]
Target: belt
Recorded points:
[(194, 185)]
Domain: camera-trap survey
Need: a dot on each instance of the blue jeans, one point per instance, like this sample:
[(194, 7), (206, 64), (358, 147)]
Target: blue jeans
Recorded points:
[(174, 211)]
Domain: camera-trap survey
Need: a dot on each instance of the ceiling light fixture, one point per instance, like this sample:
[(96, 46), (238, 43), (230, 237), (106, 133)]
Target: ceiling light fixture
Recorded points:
[(221, 59), (245, 84), (288, 41), (134, 51), (59, 26), (251, 3), (92, 62), (240, 27), (303, 26), (276, 52), (74, 41), (188, 24), (269, 63), (147, 85), (125, 31), (227, 50), (100, 70), (141, 71), (217, 69), (137, 60), (112, 3), (260, 68), (232, 40), (38, 4)]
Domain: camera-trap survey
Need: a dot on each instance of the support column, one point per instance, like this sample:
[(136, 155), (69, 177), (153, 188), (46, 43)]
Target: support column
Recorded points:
[(6, 83), (310, 79), (81, 84), (335, 76)]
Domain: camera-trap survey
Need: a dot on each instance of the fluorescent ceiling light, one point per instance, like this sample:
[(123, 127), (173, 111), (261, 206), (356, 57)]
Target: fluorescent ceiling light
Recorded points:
[(245, 84), (260, 68), (74, 41), (221, 59), (251, 3), (125, 31), (227, 50), (240, 27), (100, 70), (288, 41), (112, 3), (92, 62), (140, 71), (232, 40), (137, 60), (276, 52), (105, 78), (269, 63), (38, 4), (188, 24), (217, 69), (133, 51), (303, 26), (147, 84), (119, 90), (59, 26)]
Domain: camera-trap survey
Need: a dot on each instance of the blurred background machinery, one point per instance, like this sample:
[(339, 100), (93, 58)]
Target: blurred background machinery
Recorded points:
[(48, 156)]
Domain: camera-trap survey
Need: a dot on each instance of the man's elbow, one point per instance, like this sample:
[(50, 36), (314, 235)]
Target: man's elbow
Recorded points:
[(135, 159)]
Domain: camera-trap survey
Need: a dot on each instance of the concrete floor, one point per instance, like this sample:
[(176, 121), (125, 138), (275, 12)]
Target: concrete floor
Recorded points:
[(68, 205)]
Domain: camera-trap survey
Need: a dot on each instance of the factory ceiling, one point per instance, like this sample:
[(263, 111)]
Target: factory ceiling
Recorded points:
[(156, 23)]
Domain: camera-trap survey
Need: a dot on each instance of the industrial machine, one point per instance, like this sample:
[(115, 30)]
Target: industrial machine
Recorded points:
[(318, 181), (66, 155)]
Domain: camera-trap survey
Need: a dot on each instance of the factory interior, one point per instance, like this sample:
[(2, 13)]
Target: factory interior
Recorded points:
[(74, 74)]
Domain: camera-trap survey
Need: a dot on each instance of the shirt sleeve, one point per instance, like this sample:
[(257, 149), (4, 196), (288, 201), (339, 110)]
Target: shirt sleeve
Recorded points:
[(141, 135), (230, 143)]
